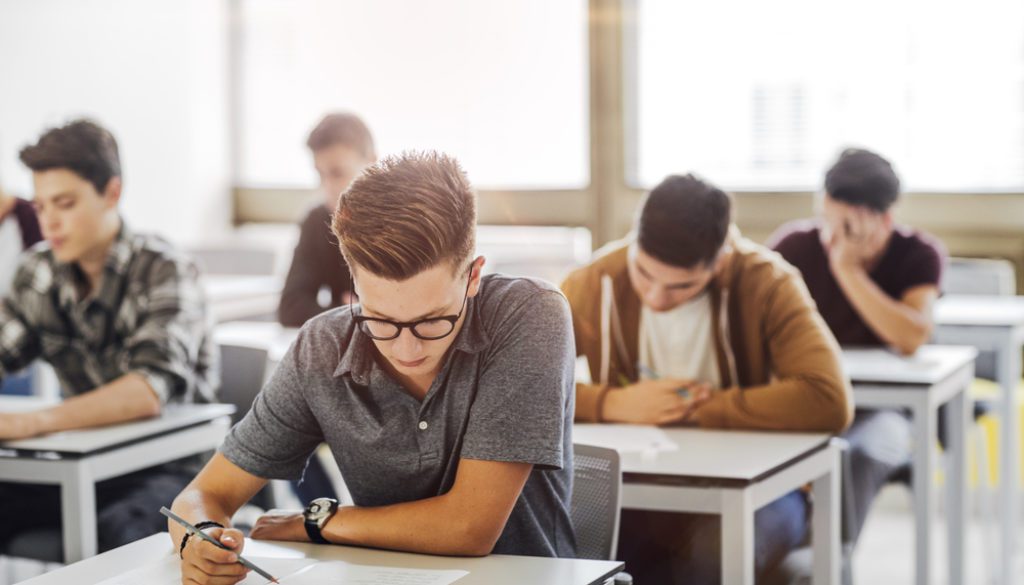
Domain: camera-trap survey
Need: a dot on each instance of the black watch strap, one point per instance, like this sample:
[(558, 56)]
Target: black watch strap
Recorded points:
[(313, 531), (201, 526)]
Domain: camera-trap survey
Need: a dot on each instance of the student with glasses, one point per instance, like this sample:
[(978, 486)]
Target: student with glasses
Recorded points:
[(446, 396)]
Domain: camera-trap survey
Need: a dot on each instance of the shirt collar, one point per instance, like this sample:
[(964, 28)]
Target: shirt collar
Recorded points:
[(115, 270)]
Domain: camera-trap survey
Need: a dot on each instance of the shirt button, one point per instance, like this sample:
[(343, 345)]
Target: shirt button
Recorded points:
[(423, 425)]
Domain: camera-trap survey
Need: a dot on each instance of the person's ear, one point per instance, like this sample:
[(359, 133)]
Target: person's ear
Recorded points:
[(475, 274), (720, 260), (888, 220), (112, 192)]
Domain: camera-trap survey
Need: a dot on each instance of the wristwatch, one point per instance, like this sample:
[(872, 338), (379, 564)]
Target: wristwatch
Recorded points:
[(316, 515)]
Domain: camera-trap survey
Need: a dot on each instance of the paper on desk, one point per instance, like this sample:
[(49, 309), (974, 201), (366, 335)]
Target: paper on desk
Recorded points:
[(342, 573), (168, 571), (297, 572), (625, 438)]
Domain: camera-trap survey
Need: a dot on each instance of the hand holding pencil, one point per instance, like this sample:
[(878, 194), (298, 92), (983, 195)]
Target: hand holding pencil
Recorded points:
[(214, 556)]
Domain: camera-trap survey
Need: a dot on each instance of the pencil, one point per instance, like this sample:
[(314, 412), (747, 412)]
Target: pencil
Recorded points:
[(196, 532)]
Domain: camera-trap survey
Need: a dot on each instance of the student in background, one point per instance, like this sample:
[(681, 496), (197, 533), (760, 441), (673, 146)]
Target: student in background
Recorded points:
[(118, 315), (446, 396), (686, 302), (342, 146), (874, 283), (19, 230)]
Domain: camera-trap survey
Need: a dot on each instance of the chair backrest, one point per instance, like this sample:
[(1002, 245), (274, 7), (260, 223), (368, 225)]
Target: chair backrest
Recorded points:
[(242, 371), (980, 276), (596, 501)]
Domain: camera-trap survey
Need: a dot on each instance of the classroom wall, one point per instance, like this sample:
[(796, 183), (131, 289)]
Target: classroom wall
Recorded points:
[(163, 66)]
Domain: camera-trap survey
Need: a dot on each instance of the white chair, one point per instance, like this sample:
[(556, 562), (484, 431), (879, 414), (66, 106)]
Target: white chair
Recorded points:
[(982, 276), (596, 504)]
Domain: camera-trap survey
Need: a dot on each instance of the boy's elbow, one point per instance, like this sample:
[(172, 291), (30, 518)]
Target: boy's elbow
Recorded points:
[(913, 339), (836, 410), (475, 537)]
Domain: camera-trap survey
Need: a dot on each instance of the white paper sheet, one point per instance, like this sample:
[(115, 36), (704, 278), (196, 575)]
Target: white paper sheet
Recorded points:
[(297, 572), (342, 573), (642, 439), (168, 571)]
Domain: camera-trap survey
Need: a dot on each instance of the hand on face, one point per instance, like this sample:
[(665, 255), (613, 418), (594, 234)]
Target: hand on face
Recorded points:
[(857, 238)]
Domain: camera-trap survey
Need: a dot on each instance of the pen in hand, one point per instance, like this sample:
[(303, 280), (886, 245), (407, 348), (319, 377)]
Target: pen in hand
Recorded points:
[(196, 532), (652, 375)]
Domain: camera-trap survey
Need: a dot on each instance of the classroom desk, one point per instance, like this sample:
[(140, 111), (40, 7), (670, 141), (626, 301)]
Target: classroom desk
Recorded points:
[(238, 297), (732, 474), (76, 460), (996, 324), (934, 376), (489, 570)]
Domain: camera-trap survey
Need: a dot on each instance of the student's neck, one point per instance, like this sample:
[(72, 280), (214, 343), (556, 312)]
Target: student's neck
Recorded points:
[(416, 386), (92, 262)]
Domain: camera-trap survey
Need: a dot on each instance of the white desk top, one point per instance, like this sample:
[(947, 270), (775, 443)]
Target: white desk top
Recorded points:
[(988, 311), (490, 570), (930, 365), (220, 287), (11, 403), (261, 334), (89, 440), (700, 454)]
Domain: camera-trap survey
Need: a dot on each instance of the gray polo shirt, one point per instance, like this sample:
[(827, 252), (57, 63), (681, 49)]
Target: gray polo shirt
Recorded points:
[(504, 393)]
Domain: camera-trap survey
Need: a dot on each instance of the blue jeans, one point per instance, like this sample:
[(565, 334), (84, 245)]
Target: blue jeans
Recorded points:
[(663, 548), (315, 483), (19, 383)]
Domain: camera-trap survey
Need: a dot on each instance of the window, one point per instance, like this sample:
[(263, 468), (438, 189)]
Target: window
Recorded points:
[(501, 85), (763, 95)]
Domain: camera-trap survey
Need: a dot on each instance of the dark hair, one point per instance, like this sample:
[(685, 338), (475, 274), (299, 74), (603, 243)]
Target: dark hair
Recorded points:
[(82, 146), (862, 178), (342, 128), (407, 214), (684, 221)]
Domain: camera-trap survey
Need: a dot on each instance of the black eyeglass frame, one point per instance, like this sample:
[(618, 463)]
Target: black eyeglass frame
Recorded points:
[(411, 325)]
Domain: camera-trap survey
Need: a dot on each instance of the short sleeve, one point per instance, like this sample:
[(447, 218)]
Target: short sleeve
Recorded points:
[(922, 266), (526, 390), (279, 433)]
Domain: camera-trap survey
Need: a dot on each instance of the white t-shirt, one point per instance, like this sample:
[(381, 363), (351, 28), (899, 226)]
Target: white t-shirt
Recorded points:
[(679, 343), (10, 252)]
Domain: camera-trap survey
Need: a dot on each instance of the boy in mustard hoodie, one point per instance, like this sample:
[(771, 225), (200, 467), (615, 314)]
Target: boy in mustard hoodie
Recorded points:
[(687, 302)]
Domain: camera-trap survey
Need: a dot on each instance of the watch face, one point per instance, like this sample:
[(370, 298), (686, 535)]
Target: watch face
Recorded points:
[(320, 509)]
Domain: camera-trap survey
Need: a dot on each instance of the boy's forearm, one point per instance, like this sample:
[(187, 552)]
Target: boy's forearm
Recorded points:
[(125, 399)]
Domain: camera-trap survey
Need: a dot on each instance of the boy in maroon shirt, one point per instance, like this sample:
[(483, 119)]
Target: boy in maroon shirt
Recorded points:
[(874, 283)]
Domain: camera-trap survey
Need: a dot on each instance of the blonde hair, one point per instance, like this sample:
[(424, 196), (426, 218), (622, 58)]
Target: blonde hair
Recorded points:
[(406, 214)]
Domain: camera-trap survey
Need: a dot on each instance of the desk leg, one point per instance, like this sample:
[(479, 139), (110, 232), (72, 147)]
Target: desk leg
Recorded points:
[(956, 486), (924, 493), (737, 537), (1009, 373), (825, 524), (78, 512)]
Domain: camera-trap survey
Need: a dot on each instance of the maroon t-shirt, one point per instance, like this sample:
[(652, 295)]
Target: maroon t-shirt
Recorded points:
[(913, 258)]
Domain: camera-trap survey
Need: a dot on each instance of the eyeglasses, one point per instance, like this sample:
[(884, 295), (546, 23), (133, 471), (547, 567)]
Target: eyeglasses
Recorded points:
[(429, 329)]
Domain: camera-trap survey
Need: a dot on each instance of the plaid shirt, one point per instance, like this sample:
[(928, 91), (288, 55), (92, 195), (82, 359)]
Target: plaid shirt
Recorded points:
[(148, 317)]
